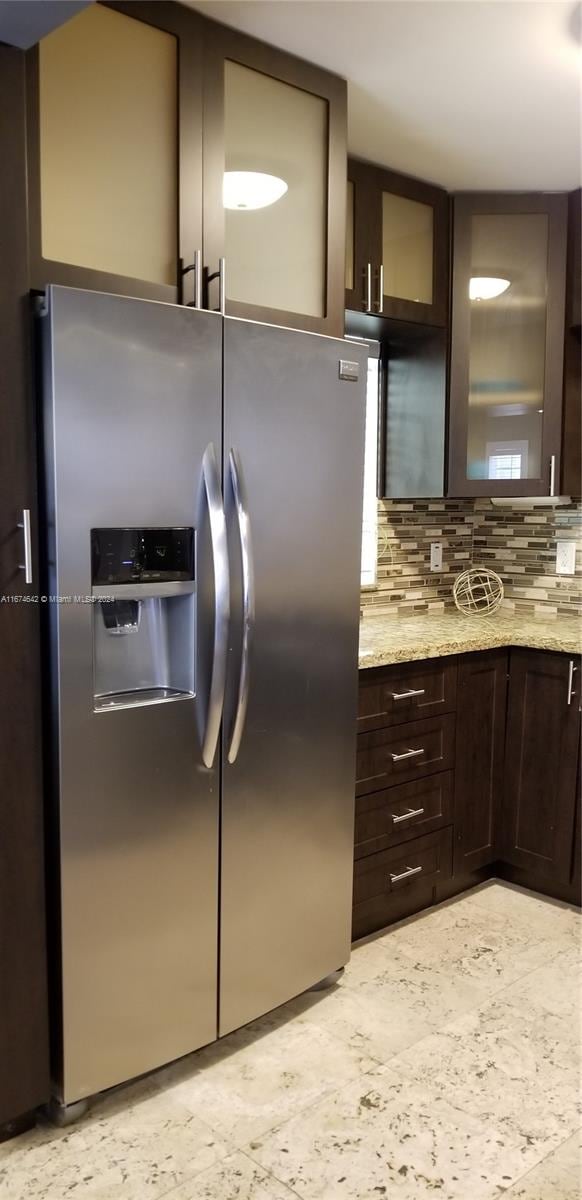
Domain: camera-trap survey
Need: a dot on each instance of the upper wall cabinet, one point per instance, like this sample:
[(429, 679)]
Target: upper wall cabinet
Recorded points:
[(274, 184), (115, 144), (397, 246), (572, 419), (507, 344), (127, 101)]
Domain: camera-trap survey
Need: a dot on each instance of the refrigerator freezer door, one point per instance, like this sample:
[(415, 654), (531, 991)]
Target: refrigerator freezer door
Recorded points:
[(297, 431), (132, 401)]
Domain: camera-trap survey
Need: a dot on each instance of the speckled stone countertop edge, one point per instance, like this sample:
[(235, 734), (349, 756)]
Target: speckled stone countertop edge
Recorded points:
[(383, 643)]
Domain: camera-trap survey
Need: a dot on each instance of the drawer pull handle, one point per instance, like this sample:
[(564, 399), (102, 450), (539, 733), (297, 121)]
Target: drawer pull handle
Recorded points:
[(407, 754), (407, 816), (405, 874), (408, 695)]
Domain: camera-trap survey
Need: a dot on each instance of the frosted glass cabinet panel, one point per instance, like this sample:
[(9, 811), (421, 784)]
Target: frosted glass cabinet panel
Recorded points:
[(114, 150), (274, 171), (108, 146), (507, 344), (400, 246), (407, 248), (275, 248)]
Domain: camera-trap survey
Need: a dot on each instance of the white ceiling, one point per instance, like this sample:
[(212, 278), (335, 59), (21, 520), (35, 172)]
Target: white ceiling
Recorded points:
[(466, 93)]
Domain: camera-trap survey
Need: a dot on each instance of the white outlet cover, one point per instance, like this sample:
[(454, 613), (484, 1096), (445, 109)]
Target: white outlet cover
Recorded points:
[(436, 556), (565, 558)]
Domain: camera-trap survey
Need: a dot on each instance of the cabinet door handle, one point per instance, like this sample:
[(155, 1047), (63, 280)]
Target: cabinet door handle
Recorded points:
[(408, 695), (407, 816), (571, 672), (407, 754), (368, 288), (553, 475), (194, 268), (381, 288), (26, 566), (404, 874), (221, 276)]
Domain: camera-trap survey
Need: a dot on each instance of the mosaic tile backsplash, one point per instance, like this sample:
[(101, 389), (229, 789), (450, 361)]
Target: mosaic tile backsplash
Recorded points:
[(518, 543)]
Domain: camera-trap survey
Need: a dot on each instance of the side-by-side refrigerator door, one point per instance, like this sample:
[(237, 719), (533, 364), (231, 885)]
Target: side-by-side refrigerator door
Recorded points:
[(137, 557), (293, 471)]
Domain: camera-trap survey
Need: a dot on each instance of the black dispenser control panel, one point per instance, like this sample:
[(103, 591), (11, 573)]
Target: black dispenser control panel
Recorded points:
[(142, 555)]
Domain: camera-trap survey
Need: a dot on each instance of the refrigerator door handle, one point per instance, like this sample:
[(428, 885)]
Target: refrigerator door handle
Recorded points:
[(213, 494), (248, 597)]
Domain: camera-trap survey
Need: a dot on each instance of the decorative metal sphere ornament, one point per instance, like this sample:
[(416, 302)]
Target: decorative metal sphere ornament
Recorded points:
[(478, 590)]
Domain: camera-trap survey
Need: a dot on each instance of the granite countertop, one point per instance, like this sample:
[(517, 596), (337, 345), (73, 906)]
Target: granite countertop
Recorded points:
[(385, 640)]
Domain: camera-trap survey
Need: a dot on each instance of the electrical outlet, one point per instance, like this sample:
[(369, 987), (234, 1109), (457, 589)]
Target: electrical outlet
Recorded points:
[(565, 558), (436, 556)]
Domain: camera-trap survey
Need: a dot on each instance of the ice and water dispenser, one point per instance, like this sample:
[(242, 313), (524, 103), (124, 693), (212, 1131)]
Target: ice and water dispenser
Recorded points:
[(143, 591)]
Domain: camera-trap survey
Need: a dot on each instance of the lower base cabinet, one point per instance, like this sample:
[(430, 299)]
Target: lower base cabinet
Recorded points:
[(396, 883), (479, 763), (541, 765), (490, 787)]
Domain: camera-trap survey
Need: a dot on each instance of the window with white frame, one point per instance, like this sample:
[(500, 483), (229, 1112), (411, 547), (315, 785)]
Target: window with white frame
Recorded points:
[(507, 460)]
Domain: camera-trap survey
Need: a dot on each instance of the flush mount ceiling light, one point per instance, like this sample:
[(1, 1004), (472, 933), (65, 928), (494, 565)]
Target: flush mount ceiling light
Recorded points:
[(487, 287), (251, 189)]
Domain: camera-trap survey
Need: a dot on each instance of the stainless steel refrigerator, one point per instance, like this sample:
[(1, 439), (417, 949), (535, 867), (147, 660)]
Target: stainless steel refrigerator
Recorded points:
[(203, 508)]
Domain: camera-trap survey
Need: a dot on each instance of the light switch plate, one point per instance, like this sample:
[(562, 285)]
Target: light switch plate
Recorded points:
[(565, 558), (436, 556)]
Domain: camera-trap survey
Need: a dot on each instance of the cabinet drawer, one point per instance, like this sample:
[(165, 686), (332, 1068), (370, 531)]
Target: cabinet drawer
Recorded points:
[(400, 881), (404, 753), (409, 691), (398, 814)]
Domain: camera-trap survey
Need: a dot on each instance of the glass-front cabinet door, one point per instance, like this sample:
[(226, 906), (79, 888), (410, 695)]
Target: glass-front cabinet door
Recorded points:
[(507, 344), (274, 154), (400, 246), (114, 149)]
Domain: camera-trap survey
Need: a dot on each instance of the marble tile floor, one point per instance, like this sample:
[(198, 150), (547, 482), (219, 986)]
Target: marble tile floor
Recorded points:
[(446, 1063)]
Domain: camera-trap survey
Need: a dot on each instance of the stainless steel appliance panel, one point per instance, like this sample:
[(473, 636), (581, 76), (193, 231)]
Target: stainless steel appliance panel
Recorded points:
[(293, 469), (132, 401)]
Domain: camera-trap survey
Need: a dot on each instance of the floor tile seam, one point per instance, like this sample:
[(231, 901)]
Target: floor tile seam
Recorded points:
[(166, 1092), (413, 956), (432, 1094), (490, 1126), (560, 1170), (367, 1077), (195, 1174), (505, 987), (444, 1031), (300, 1111), (344, 1043), (271, 1175), (489, 981), (236, 1150)]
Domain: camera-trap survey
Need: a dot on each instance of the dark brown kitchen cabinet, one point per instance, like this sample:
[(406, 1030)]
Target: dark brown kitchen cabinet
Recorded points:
[(397, 814), (361, 249), (174, 159), (411, 455), (479, 758), (574, 266), (24, 1069), (398, 248), (270, 113), (406, 692), (402, 753), (507, 338), (398, 882), (572, 422), (115, 150), (541, 765)]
